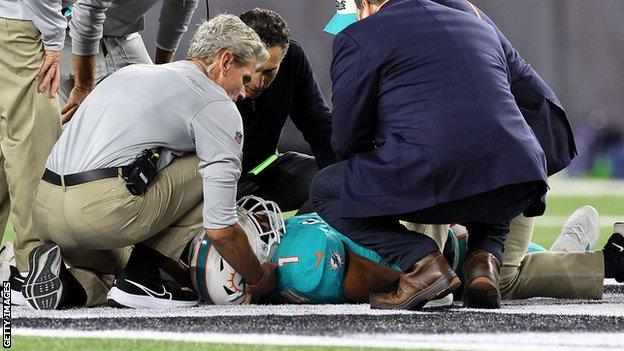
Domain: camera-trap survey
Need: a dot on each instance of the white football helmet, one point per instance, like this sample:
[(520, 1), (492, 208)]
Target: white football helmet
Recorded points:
[(213, 278)]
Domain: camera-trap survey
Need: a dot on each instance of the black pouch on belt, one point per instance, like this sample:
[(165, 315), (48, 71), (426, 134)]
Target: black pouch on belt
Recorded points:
[(142, 172)]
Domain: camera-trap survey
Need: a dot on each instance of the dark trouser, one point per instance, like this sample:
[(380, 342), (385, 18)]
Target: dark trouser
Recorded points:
[(286, 181), (486, 216)]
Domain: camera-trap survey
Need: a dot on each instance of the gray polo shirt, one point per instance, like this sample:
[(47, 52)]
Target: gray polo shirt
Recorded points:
[(174, 106), (45, 15), (93, 19)]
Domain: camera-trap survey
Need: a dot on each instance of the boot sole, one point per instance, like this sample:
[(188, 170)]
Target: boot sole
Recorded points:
[(482, 294), (42, 288), (440, 288)]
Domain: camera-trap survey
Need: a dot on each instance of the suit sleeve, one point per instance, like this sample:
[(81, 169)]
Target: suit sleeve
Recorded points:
[(540, 107), (175, 16), (354, 98), (309, 112)]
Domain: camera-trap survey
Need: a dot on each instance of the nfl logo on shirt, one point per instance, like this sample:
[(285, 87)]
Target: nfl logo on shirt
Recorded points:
[(238, 136)]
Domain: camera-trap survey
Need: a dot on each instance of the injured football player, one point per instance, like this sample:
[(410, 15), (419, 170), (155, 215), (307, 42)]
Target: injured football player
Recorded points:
[(316, 264)]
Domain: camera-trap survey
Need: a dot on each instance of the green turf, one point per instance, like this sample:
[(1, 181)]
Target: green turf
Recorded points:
[(565, 205), (69, 344)]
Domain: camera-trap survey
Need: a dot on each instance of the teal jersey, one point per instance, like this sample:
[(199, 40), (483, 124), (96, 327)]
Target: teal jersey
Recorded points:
[(533, 247), (311, 260)]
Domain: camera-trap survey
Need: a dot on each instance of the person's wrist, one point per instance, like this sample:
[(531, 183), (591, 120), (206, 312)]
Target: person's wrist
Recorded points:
[(84, 87), (261, 281)]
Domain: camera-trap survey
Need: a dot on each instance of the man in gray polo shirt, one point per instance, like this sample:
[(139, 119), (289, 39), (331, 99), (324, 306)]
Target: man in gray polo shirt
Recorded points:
[(104, 37), (184, 113)]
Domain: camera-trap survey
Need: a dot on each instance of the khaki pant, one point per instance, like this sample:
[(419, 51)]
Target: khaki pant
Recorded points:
[(29, 127), (95, 222), (574, 275)]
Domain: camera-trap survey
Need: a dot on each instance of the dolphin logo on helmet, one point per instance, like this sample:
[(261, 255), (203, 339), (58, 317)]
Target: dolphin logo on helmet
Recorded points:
[(213, 278)]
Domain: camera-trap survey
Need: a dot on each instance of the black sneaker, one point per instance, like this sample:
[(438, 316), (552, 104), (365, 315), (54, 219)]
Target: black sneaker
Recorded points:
[(16, 280), (42, 287), (148, 291), (616, 244)]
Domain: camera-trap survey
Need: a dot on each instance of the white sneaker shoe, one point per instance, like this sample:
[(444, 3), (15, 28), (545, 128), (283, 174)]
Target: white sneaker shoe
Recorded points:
[(7, 259), (580, 232), (441, 302)]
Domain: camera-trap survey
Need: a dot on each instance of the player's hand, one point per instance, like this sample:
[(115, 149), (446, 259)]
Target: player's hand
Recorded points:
[(49, 75), (76, 97), (266, 285)]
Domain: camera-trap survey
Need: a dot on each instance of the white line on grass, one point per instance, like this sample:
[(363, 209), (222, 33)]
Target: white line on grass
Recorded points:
[(557, 221), (564, 187), (486, 341), (610, 305)]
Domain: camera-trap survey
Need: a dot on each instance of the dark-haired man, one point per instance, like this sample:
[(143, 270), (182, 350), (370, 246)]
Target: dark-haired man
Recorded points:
[(282, 87)]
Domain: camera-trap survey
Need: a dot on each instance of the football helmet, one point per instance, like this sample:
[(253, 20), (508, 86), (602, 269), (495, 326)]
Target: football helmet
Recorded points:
[(213, 278)]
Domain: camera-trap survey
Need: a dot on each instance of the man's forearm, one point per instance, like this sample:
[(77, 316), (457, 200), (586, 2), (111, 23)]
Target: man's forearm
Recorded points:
[(232, 244), (84, 71)]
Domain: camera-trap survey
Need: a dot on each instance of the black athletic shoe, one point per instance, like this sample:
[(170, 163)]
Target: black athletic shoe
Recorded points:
[(42, 287), (616, 244), (148, 291)]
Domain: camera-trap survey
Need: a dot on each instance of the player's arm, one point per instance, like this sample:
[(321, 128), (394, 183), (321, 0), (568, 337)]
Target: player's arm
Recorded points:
[(364, 277), (175, 16), (86, 29), (354, 99), (309, 112)]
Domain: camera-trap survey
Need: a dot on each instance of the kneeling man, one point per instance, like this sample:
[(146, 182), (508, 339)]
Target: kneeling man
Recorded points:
[(125, 172), (407, 78)]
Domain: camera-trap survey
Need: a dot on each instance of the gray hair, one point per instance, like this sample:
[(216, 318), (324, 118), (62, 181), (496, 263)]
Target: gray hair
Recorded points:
[(227, 32)]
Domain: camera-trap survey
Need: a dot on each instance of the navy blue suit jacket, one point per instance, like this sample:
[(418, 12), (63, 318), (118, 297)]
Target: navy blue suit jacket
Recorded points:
[(537, 101), (423, 111)]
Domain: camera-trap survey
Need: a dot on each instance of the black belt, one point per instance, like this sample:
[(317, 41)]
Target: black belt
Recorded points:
[(83, 177)]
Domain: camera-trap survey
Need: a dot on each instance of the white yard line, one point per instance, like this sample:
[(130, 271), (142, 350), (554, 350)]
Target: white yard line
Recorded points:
[(543, 307), (558, 221), (560, 186), (206, 311), (498, 341), (611, 305)]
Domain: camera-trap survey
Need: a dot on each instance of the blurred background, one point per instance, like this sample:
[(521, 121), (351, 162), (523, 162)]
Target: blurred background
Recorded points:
[(576, 45)]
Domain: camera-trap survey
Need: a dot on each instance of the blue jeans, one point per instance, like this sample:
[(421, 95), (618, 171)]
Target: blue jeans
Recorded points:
[(486, 216)]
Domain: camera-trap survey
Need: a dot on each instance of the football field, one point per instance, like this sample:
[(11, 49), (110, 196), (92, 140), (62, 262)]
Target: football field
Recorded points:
[(533, 324)]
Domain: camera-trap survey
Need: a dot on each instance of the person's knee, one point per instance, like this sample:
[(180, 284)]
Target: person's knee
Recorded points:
[(325, 185)]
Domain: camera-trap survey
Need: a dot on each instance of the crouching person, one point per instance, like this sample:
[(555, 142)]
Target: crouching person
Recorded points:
[(125, 172)]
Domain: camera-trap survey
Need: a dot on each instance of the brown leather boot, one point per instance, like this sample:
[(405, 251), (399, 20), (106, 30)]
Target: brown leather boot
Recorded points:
[(482, 274), (429, 279)]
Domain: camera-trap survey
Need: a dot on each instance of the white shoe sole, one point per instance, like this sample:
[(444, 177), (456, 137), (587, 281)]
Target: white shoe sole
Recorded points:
[(125, 299), (42, 288), (17, 299), (443, 302)]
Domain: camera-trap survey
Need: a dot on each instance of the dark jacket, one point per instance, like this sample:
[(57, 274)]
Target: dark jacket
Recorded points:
[(423, 111), (294, 93), (537, 101)]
